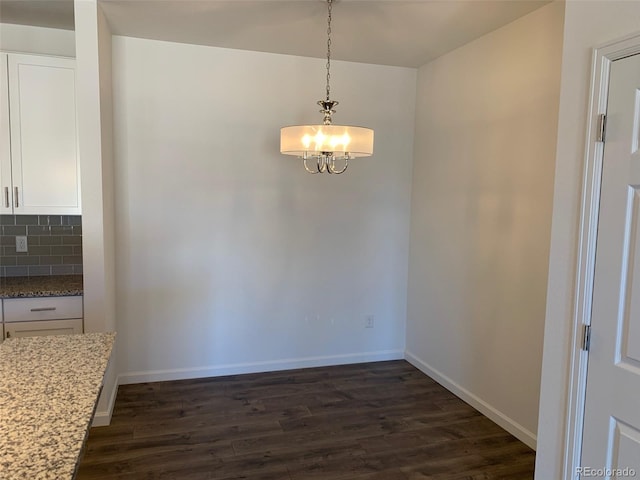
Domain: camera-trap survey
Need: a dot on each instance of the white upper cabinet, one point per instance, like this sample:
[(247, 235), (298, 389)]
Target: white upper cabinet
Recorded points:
[(41, 173), (5, 145)]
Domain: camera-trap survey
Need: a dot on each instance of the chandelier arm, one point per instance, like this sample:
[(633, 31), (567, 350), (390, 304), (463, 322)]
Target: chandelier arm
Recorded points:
[(322, 164), (338, 172), (331, 162), (304, 162)]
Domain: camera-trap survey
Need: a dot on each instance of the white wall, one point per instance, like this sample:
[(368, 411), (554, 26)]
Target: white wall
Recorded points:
[(231, 258), (93, 90), (587, 25), (29, 39), (481, 215)]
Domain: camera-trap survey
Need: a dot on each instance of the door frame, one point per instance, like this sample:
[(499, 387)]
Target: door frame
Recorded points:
[(602, 58)]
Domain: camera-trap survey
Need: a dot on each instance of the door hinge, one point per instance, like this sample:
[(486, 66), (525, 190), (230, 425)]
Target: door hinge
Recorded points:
[(601, 127), (586, 337)]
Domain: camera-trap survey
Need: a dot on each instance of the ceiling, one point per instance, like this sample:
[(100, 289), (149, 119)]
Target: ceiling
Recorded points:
[(406, 33), (42, 13)]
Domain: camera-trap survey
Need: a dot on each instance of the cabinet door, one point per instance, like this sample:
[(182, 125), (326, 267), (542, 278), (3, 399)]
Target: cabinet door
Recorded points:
[(47, 327), (44, 160), (5, 149)]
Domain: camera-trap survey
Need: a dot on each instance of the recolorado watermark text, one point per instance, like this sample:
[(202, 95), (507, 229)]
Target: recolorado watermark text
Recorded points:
[(586, 472)]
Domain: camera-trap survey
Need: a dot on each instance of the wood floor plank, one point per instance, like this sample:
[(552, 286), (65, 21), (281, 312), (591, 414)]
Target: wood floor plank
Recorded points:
[(370, 421)]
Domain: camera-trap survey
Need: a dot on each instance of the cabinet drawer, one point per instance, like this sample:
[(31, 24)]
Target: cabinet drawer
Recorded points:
[(42, 308), (38, 329)]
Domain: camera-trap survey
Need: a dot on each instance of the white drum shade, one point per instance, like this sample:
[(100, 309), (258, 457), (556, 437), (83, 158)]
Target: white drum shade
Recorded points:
[(314, 140)]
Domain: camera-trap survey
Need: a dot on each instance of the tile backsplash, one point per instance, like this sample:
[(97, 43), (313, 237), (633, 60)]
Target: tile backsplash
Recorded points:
[(54, 243)]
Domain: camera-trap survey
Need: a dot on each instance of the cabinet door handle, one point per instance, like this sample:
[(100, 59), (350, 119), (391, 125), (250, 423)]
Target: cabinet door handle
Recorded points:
[(17, 201), (6, 197), (43, 309)]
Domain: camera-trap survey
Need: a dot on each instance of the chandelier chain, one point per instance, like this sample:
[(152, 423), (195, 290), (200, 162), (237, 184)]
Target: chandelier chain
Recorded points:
[(330, 4)]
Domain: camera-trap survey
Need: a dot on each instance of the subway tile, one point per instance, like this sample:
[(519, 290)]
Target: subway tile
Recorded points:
[(62, 230), (7, 219), (62, 269), (31, 240), (11, 250), (38, 230), (71, 240), (60, 250), (9, 240), (39, 270), (40, 250), (50, 260), (77, 229), (3, 273), (26, 220), (14, 230), (50, 219), (6, 260), (53, 240), (33, 260), (71, 220), (16, 271), (77, 269), (72, 259), (77, 249)]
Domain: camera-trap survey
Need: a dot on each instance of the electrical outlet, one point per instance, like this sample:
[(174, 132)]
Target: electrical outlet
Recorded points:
[(368, 321), (21, 244)]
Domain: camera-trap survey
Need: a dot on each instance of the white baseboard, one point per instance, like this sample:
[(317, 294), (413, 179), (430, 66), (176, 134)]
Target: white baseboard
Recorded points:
[(256, 367), (102, 418), (511, 426)]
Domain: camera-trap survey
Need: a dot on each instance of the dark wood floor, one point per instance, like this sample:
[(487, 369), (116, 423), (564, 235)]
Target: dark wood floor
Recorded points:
[(374, 421)]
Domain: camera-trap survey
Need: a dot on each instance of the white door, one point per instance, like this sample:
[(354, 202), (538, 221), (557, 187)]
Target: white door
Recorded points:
[(611, 435)]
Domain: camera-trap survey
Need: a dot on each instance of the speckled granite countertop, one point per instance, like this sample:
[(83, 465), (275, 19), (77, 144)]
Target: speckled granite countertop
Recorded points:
[(49, 387), (52, 286)]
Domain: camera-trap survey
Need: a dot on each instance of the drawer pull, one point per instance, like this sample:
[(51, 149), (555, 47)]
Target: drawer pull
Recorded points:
[(43, 309), (6, 197)]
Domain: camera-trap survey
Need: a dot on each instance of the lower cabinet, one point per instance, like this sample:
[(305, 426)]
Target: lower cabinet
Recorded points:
[(46, 327), (30, 317)]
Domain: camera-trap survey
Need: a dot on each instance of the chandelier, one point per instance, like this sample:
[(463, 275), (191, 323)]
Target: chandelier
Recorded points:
[(326, 148)]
